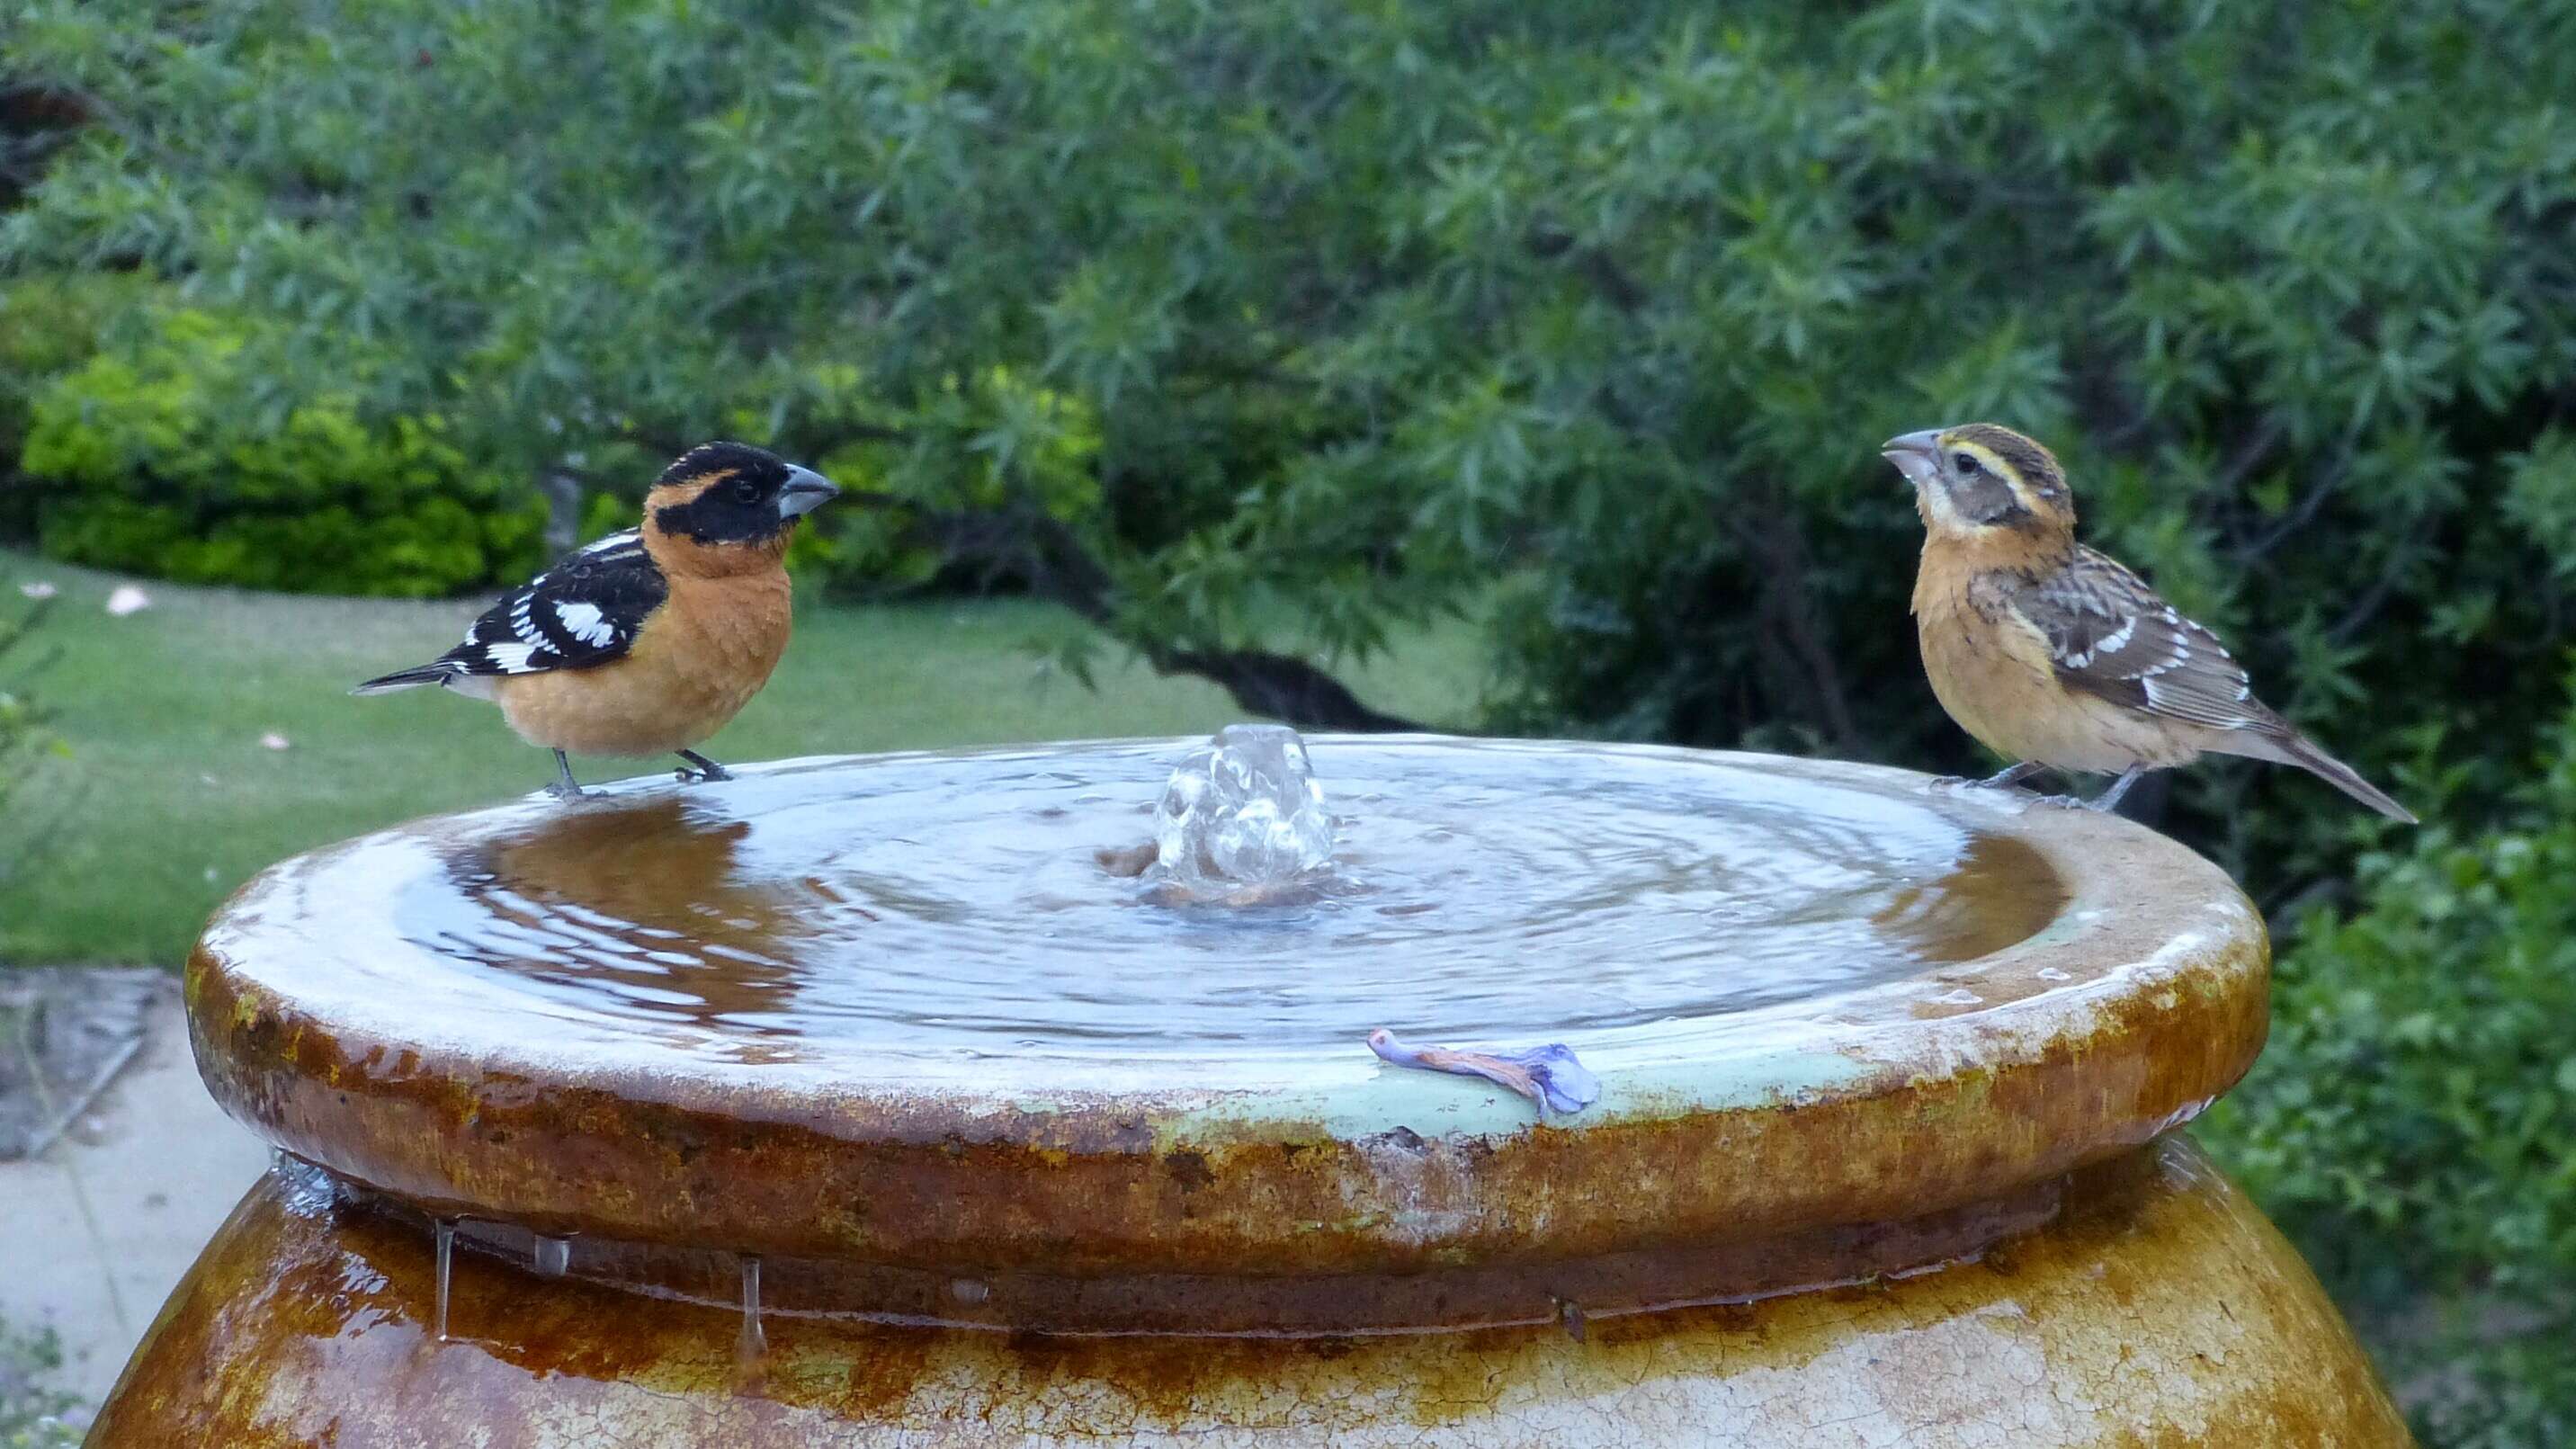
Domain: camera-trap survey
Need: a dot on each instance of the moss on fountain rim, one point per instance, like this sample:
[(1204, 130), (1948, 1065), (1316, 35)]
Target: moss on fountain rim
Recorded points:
[(2140, 1000)]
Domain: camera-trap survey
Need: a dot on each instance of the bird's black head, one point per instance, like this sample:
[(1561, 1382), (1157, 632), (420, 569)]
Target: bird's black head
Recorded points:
[(723, 494)]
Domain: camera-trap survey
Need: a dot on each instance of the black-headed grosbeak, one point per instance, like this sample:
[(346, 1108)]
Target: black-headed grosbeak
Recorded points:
[(2055, 656), (649, 640)]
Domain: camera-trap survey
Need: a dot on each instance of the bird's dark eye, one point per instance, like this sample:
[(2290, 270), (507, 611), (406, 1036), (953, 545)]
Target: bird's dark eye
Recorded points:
[(1967, 461), (746, 490)]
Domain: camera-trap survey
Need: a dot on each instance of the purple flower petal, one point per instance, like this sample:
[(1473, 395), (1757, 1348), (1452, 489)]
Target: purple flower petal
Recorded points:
[(1569, 1084), (1548, 1075)]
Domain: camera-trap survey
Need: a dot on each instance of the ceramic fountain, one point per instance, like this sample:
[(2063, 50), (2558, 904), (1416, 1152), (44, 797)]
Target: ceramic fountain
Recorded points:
[(912, 1100)]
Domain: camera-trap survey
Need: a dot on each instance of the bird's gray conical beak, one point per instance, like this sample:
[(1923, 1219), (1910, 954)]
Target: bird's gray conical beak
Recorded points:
[(1916, 455), (805, 491)]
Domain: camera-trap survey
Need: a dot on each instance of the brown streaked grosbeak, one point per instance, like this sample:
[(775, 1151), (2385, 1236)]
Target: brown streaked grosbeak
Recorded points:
[(2054, 656)]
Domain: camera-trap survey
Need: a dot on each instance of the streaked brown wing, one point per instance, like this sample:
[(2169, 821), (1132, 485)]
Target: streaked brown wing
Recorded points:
[(2109, 635)]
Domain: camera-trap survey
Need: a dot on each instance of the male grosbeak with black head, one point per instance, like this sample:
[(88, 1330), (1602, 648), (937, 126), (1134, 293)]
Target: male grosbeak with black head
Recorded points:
[(650, 640)]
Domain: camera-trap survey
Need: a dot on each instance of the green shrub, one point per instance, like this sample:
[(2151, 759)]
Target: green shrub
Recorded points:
[(2412, 1124), (1353, 310), (50, 323), (981, 445), (160, 458)]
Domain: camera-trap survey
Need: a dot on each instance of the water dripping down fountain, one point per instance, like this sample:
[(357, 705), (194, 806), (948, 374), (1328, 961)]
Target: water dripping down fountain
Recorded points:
[(444, 1230), (750, 1342), (550, 1256)]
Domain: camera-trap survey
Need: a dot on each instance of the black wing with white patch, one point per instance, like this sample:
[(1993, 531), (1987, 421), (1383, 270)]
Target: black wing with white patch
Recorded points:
[(2110, 635), (582, 613)]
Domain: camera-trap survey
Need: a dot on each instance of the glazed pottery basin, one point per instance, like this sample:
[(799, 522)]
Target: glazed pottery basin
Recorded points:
[(702, 1191)]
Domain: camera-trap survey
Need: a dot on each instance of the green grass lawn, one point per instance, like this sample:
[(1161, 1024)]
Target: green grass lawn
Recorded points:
[(170, 799)]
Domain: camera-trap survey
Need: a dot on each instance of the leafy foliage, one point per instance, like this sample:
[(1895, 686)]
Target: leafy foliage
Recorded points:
[(1339, 314), (173, 468), (981, 446), (49, 324), (2412, 1123)]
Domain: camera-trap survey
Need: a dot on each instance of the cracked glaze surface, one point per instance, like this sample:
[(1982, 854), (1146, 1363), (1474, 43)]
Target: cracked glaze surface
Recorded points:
[(2064, 987)]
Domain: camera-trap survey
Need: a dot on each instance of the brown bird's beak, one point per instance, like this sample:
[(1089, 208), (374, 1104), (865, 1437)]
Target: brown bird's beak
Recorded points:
[(1916, 455)]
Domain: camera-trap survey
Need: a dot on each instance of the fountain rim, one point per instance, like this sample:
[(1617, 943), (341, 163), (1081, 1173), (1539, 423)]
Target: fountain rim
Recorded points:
[(1763, 1052), (2171, 950)]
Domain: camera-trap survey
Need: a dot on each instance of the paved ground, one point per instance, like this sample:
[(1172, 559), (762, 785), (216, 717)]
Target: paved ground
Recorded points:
[(65, 1034), (96, 1230)]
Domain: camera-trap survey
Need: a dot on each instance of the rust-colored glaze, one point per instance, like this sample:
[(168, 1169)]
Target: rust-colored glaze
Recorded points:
[(1092, 1191), (1939, 1104), (1309, 1305), (2158, 1310)]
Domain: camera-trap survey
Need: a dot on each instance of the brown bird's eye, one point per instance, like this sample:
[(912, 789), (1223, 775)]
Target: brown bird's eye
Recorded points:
[(745, 491), (1967, 461)]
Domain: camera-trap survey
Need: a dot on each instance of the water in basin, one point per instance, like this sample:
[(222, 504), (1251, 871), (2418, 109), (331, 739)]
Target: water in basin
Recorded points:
[(957, 903)]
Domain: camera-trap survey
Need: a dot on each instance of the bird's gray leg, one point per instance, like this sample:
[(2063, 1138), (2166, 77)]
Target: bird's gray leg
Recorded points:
[(565, 786), (2005, 779), (2109, 800), (706, 769)]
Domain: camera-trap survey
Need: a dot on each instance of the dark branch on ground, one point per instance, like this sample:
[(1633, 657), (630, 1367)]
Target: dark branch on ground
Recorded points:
[(1026, 542), (1281, 687)]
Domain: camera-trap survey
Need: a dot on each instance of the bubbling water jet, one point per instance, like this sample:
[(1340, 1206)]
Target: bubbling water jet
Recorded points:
[(1243, 812)]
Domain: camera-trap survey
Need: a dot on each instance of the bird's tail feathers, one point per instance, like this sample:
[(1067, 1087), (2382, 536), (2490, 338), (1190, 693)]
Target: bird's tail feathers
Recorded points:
[(402, 679), (2292, 748)]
